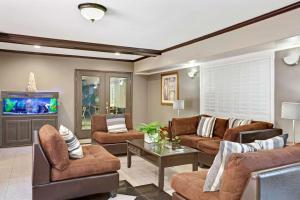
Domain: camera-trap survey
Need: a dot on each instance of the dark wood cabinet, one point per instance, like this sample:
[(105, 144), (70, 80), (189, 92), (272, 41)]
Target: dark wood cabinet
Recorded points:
[(17, 131)]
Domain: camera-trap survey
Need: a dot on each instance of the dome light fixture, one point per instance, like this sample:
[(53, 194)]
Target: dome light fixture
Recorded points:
[(92, 11)]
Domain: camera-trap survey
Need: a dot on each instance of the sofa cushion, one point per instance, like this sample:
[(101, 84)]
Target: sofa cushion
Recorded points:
[(192, 140), (99, 122), (112, 138), (54, 147), (185, 126), (116, 123), (210, 147), (240, 167), (206, 126), (74, 147), (96, 161), (215, 174), (190, 186), (233, 122), (232, 134), (220, 128)]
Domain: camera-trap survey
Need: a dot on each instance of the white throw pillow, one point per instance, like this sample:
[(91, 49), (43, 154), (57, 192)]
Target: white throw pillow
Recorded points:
[(215, 174), (238, 122), (116, 123), (277, 142), (206, 126), (74, 147)]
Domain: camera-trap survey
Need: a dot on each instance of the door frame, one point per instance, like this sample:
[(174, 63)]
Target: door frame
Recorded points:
[(78, 93)]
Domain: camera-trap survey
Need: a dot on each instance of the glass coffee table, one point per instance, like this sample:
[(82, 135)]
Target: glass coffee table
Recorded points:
[(162, 157)]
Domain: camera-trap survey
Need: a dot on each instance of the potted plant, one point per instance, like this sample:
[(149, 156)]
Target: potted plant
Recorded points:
[(151, 131)]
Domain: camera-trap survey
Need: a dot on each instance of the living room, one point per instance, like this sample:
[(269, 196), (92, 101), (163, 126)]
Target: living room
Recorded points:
[(119, 100)]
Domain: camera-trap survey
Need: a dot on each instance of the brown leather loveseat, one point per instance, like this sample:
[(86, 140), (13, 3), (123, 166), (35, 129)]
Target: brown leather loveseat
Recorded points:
[(263, 175), (115, 143), (186, 130), (55, 176)]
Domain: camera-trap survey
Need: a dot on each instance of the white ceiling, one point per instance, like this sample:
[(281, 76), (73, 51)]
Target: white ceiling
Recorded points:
[(153, 24)]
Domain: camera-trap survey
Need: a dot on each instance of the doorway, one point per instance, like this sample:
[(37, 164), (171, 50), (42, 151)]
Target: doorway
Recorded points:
[(98, 92)]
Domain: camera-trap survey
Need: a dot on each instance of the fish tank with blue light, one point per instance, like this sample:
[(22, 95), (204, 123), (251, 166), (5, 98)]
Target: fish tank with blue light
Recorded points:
[(29, 106)]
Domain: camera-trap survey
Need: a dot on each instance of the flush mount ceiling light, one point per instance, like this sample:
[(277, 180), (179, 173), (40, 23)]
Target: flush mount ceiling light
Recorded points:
[(92, 11)]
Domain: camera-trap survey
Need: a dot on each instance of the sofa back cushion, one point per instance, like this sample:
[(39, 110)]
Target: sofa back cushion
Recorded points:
[(221, 126), (232, 134), (268, 124), (185, 126), (54, 147), (99, 122), (240, 167)]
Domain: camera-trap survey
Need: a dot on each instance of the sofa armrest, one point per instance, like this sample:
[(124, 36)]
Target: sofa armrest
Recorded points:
[(250, 136), (275, 183), (40, 167)]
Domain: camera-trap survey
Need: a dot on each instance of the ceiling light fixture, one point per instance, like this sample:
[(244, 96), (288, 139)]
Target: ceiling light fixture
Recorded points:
[(92, 11), (117, 53), (37, 46)]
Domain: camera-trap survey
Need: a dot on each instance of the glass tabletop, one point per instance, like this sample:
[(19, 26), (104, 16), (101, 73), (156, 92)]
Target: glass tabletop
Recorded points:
[(161, 150)]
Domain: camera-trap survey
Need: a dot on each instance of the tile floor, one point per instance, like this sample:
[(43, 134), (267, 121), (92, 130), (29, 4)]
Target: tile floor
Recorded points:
[(16, 166)]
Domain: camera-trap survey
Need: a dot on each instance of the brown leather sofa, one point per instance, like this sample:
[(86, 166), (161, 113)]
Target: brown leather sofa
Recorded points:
[(55, 176), (186, 129), (115, 143), (265, 175)]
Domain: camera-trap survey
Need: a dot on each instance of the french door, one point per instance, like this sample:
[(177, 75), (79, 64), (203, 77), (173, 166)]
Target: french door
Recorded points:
[(99, 92)]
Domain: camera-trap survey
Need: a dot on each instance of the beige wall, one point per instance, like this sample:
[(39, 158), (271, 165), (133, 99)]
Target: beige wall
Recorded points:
[(287, 88), (57, 74), (188, 91)]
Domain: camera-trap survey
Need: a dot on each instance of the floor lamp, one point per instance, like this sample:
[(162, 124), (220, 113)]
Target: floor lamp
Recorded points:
[(291, 111), (178, 105)]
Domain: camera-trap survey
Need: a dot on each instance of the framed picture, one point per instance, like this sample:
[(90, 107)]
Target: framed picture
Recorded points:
[(169, 88)]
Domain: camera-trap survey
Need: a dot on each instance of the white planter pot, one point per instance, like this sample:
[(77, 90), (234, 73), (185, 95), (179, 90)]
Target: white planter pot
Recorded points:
[(148, 139)]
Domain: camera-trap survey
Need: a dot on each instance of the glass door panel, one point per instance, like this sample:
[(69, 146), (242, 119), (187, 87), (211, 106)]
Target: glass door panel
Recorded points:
[(90, 100), (119, 94), (117, 100)]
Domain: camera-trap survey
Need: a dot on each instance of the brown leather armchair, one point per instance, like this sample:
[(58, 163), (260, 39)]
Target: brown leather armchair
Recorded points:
[(263, 175), (115, 143), (55, 176)]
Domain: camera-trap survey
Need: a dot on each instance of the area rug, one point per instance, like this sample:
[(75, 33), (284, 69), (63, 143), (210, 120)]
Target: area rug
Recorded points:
[(127, 192)]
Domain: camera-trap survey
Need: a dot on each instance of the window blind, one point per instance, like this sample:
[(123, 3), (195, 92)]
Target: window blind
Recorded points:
[(240, 87)]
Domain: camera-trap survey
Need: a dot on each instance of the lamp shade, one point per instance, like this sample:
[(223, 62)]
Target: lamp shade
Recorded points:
[(290, 110), (178, 105)]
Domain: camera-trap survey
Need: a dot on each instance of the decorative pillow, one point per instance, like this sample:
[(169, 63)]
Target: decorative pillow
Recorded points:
[(238, 122), (206, 126), (74, 147), (116, 123), (215, 173), (277, 142)]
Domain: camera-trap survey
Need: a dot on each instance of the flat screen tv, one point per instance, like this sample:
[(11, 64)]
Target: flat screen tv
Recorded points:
[(29, 106)]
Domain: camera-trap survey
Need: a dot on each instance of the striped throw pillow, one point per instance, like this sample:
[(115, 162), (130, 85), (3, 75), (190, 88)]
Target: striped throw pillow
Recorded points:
[(206, 126), (74, 147), (238, 122), (277, 142), (116, 124), (215, 173)]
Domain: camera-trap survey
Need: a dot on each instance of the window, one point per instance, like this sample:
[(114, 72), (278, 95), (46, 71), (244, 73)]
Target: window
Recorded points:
[(240, 87)]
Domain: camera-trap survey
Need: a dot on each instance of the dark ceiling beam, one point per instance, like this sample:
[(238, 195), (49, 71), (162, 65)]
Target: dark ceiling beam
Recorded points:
[(233, 27), (68, 44), (63, 55)]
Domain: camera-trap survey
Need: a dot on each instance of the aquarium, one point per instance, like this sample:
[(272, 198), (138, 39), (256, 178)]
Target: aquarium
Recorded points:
[(29, 106)]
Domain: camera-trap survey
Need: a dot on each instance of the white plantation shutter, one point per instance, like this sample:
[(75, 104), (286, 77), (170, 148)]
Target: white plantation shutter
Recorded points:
[(240, 87)]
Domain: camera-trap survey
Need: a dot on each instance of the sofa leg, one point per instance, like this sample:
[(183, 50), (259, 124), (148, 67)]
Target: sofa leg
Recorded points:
[(113, 193)]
